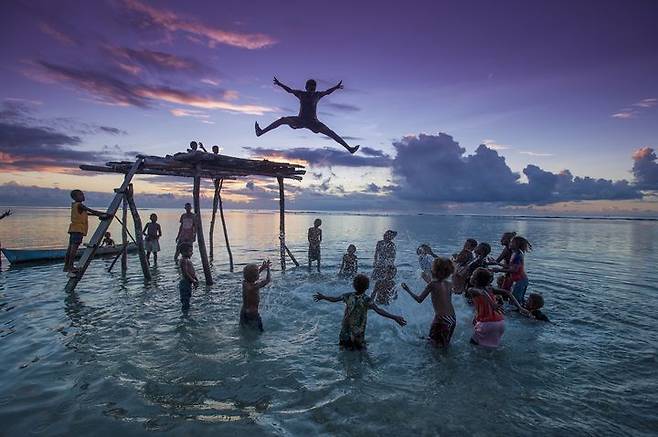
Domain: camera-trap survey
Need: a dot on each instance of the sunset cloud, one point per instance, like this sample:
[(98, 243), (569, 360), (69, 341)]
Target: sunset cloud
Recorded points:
[(636, 109), (152, 59), (325, 157), (645, 168), (171, 22)]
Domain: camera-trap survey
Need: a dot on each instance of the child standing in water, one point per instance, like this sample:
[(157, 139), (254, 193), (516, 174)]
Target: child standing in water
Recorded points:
[(357, 304), (78, 228), (350, 264), (384, 255), (188, 277), (504, 259), (153, 232), (516, 268), (384, 290), (534, 303), (440, 289), (314, 240), (249, 315), (489, 321), (461, 260)]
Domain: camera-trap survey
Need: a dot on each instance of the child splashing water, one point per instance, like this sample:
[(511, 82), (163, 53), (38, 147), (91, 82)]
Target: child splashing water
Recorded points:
[(251, 285), (516, 268), (489, 320), (350, 263), (440, 289), (307, 117), (353, 329), (425, 259)]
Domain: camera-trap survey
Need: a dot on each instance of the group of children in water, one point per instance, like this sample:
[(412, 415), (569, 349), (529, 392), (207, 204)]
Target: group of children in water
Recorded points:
[(469, 272)]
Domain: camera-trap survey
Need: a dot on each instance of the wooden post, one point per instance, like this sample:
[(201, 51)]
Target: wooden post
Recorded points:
[(138, 233), (124, 237), (221, 215), (211, 234), (199, 231), (282, 224)]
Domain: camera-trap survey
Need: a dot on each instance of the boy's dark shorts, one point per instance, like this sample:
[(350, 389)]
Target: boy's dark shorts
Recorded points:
[(75, 238), (249, 320)]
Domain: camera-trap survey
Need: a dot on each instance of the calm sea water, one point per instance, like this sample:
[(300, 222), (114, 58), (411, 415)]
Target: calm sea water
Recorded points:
[(117, 356)]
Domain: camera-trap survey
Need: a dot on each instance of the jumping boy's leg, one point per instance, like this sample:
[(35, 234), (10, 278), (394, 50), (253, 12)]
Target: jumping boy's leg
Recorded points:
[(323, 129), (283, 120)]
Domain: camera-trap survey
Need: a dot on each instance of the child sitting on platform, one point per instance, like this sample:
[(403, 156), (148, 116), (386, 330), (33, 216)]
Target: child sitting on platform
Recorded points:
[(349, 266), (440, 288), (249, 315), (384, 290), (107, 240), (188, 277), (357, 304), (78, 228)]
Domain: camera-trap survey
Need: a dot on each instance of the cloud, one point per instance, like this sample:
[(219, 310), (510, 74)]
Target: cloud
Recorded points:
[(178, 112), (645, 168), (152, 16), (58, 35), (434, 168), (324, 157), (373, 188), (539, 154), (109, 89), (494, 145), (635, 109), (342, 107), (153, 60)]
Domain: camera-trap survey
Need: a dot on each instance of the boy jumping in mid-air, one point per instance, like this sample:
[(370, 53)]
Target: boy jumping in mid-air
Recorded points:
[(249, 316), (307, 118), (357, 304)]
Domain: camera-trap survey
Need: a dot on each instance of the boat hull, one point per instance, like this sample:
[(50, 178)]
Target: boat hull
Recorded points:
[(18, 256)]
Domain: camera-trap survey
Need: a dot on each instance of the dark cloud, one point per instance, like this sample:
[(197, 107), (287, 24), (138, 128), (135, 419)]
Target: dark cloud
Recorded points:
[(155, 60), (112, 130), (344, 107), (345, 137), (324, 157), (373, 188), (645, 168), (435, 168)]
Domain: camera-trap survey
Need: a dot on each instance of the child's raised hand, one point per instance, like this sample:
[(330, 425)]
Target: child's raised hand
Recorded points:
[(318, 297), (276, 81), (400, 320), (404, 286), (340, 85)]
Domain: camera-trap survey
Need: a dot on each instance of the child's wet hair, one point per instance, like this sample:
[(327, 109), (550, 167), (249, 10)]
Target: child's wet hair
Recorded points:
[(75, 193), (521, 243), (470, 242), (486, 247), (250, 273), (361, 283), (153, 216), (107, 234), (535, 300), (311, 84), (481, 277), (442, 268), (317, 222), (351, 248), (507, 236)]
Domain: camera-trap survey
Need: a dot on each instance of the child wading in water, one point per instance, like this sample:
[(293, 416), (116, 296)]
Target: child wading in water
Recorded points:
[(461, 260), (504, 259), (534, 303), (153, 232), (489, 321), (188, 277), (384, 255), (384, 290), (314, 240), (350, 264), (307, 117), (357, 304), (440, 288), (516, 268), (78, 228), (249, 316)]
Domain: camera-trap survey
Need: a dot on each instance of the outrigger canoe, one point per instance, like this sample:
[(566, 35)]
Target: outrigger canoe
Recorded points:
[(16, 256)]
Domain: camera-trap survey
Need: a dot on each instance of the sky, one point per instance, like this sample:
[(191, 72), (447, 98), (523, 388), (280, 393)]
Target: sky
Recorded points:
[(470, 106)]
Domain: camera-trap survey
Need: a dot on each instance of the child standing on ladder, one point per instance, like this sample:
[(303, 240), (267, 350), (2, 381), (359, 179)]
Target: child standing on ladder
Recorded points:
[(78, 228)]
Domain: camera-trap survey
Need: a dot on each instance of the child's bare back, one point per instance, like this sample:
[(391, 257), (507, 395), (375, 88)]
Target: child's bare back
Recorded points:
[(251, 285)]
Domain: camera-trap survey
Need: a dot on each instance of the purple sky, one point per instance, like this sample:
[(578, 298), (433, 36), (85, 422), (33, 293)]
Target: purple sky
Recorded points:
[(549, 86)]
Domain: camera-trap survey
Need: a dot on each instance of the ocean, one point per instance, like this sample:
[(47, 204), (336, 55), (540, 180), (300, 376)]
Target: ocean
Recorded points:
[(117, 356)]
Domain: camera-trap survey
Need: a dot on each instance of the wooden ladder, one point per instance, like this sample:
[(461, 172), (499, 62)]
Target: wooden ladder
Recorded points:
[(96, 239)]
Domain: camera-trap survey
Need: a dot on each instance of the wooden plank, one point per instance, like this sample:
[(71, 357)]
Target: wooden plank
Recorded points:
[(292, 257), (282, 225), (199, 232), (221, 215), (138, 233), (97, 237)]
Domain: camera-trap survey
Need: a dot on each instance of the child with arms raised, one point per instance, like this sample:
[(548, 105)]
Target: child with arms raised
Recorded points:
[(357, 304), (251, 285), (440, 289), (489, 321)]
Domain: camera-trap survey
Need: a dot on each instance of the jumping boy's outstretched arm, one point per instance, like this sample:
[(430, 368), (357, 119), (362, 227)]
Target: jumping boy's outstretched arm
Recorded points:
[(338, 86), (5, 214), (398, 319), (285, 87), (319, 296), (418, 298)]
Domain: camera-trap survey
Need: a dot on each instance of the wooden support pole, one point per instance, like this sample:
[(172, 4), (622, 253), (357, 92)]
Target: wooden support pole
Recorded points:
[(211, 233), (221, 215), (292, 257), (282, 225), (199, 231), (124, 237), (138, 233)]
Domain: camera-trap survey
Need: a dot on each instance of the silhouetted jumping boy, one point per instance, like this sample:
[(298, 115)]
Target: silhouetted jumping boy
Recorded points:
[(357, 304), (307, 118)]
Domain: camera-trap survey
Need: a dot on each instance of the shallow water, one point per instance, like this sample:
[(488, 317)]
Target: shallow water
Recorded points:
[(117, 356)]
